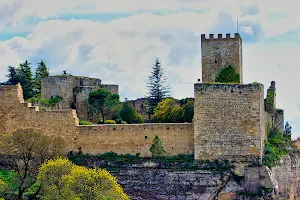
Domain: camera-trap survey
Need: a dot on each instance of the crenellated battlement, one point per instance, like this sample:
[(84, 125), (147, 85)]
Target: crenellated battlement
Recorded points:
[(220, 37)]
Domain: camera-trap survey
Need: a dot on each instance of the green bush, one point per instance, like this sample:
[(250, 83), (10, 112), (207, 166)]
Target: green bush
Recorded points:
[(228, 75), (278, 144), (168, 111), (138, 119), (157, 148), (84, 122), (128, 114), (53, 101), (110, 121)]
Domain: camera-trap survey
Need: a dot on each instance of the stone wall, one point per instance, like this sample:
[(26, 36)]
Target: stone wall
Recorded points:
[(122, 139), (217, 52), (229, 121), (137, 138), (15, 114)]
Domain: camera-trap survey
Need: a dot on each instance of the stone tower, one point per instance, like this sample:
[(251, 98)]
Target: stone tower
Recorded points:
[(217, 52)]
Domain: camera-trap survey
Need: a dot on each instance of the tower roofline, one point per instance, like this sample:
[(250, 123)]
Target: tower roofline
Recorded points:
[(220, 37)]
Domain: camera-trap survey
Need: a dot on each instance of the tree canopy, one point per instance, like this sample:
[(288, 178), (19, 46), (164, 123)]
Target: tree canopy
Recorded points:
[(128, 114), (168, 111), (22, 74), (25, 150), (102, 102), (62, 180), (40, 73)]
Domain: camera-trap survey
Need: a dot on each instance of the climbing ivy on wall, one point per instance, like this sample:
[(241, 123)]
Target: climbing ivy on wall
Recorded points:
[(270, 99), (228, 75)]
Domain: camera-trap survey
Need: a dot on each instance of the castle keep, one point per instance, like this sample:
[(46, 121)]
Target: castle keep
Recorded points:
[(74, 91), (229, 120)]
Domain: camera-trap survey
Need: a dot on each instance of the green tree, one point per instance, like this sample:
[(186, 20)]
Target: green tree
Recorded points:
[(62, 180), (228, 75), (168, 111), (157, 148), (188, 108), (102, 102), (128, 114), (12, 76), (25, 77), (40, 73), (157, 86), (26, 150)]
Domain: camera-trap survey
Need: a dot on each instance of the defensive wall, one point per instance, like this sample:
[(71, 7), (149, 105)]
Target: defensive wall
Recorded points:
[(229, 121), (122, 139), (217, 52)]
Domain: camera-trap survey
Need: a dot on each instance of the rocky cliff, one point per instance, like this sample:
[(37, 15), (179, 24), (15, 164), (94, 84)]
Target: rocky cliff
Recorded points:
[(149, 180)]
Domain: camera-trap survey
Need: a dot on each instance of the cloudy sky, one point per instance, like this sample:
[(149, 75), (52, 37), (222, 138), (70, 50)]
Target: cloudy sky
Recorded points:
[(118, 41)]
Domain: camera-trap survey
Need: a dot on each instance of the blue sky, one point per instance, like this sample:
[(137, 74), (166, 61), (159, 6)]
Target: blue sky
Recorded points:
[(118, 41)]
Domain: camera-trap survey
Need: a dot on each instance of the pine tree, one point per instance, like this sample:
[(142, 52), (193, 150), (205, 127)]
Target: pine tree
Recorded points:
[(12, 76), (25, 77), (40, 73), (158, 89)]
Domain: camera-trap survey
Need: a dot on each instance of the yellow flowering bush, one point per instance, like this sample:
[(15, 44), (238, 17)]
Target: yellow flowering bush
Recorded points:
[(61, 179)]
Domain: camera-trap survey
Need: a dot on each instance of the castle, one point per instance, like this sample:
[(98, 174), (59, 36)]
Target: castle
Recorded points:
[(74, 91), (229, 119)]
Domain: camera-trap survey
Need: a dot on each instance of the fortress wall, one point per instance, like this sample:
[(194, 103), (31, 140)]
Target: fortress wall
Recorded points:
[(217, 52), (136, 138), (229, 121), (15, 114)]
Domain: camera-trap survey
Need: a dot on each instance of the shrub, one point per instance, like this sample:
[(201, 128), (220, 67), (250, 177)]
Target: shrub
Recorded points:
[(228, 75), (61, 179), (110, 121), (84, 122), (138, 118), (128, 114), (51, 102), (168, 112), (157, 148), (278, 144)]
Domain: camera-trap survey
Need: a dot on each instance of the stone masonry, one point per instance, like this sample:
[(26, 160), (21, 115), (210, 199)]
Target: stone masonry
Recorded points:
[(217, 52), (94, 139), (229, 121), (74, 90)]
